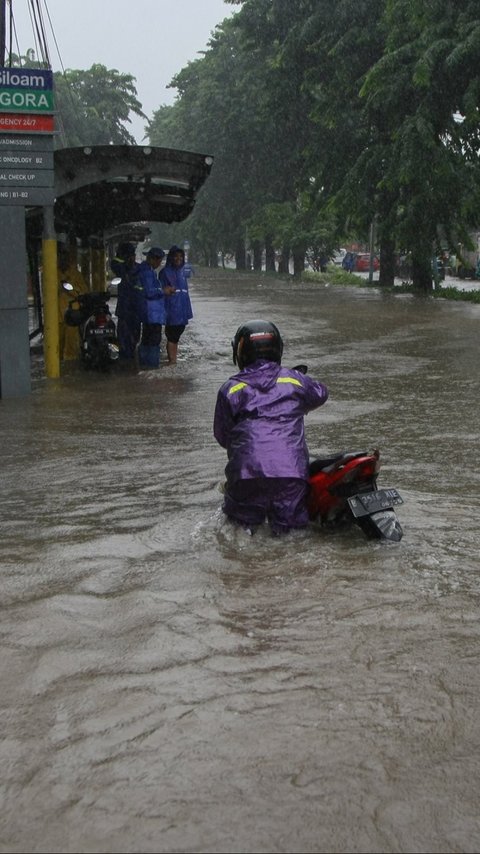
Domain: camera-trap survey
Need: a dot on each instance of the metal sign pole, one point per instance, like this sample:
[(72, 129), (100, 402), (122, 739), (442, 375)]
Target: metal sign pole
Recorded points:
[(14, 342), (26, 180)]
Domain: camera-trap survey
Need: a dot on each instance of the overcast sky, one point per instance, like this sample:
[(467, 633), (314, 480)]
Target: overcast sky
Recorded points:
[(150, 39)]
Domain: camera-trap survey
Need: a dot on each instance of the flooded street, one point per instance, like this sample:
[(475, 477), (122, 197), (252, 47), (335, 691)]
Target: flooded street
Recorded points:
[(170, 684)]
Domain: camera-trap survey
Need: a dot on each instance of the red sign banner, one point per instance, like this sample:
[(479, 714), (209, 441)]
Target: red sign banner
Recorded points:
[(18, 123)]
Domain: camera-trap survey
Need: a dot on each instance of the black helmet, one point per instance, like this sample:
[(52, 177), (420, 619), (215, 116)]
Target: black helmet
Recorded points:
[(257, 339), (125, 250)]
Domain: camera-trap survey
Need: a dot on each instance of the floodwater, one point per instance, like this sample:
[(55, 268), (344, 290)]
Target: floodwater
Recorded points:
[(170, 684)]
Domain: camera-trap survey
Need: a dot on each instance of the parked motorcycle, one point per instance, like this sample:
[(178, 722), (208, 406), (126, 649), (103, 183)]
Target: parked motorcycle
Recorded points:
[(90, 312), (343, 488)]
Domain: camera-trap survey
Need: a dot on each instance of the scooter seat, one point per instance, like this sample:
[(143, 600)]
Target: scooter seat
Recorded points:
[(317, 466), (331, 463)]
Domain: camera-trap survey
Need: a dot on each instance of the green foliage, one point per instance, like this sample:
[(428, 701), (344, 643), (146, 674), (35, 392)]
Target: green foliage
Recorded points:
[(457, 294), (94, 105), (322, 118), (334, 276), (240, 104)]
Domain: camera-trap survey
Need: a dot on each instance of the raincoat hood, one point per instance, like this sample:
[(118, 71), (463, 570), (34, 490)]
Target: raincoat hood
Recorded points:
[(171, 252), (261, 375)]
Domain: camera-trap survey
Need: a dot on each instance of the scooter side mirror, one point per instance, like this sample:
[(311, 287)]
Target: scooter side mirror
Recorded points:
[(302, 369)]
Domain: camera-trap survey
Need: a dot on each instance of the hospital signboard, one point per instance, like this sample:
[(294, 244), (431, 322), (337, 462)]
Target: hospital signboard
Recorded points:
[(26, 136)]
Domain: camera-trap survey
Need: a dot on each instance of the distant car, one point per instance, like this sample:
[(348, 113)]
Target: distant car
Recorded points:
[(338, 256), (362, 263)]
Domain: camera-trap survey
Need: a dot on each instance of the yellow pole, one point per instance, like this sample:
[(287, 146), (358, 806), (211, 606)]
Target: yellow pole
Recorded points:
[(51, 339)]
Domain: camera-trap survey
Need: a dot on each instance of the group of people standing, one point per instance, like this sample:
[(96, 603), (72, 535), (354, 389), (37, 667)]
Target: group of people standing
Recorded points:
[(148, 299)]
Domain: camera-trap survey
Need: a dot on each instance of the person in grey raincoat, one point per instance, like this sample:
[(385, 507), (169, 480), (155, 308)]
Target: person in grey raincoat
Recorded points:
[(259, 419)]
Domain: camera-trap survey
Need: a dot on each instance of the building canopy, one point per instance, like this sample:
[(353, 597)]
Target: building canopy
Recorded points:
[(101, 187)]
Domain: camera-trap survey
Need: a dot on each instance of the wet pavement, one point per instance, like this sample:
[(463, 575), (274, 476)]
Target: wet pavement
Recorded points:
[(170, 684)]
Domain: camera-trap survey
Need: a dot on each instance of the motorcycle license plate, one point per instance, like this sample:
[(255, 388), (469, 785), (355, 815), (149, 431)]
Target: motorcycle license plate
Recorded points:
[(371, 502)]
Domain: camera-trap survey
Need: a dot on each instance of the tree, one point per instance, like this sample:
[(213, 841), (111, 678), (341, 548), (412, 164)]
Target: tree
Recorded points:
[(207, 117), (94, 105), (345, 149), (244, 106), (427, 74), (340, 116)]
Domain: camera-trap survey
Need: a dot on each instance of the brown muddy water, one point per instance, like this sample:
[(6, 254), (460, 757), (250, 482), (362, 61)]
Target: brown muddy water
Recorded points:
[(170, 684)]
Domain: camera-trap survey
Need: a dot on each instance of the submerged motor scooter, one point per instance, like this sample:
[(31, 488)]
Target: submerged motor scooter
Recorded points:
[(343, 488), (90, 312)]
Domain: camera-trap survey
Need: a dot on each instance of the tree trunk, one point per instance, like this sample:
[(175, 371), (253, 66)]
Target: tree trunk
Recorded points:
[(298, 261), (257, 256), (269, 255), (387, 264), (212, 256), (240, 254), (422, 273), (284, 260)]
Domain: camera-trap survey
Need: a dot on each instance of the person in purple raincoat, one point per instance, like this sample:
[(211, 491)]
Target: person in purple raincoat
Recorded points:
[(259, 419), (178, 307), (150, 307)]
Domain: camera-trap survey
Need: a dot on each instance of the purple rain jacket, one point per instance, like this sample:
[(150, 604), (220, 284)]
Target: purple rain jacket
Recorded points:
[(149, 296), (259, 420), (178, 307)]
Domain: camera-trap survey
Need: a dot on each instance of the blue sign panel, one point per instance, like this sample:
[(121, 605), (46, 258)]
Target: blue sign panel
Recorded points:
[(26, 78)]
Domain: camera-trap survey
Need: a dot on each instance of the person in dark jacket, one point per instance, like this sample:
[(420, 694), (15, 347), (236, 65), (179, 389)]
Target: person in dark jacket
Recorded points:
[(67, 271), (150, 306), (124, 266), (259, 419), (348, 262), (178, 307)]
